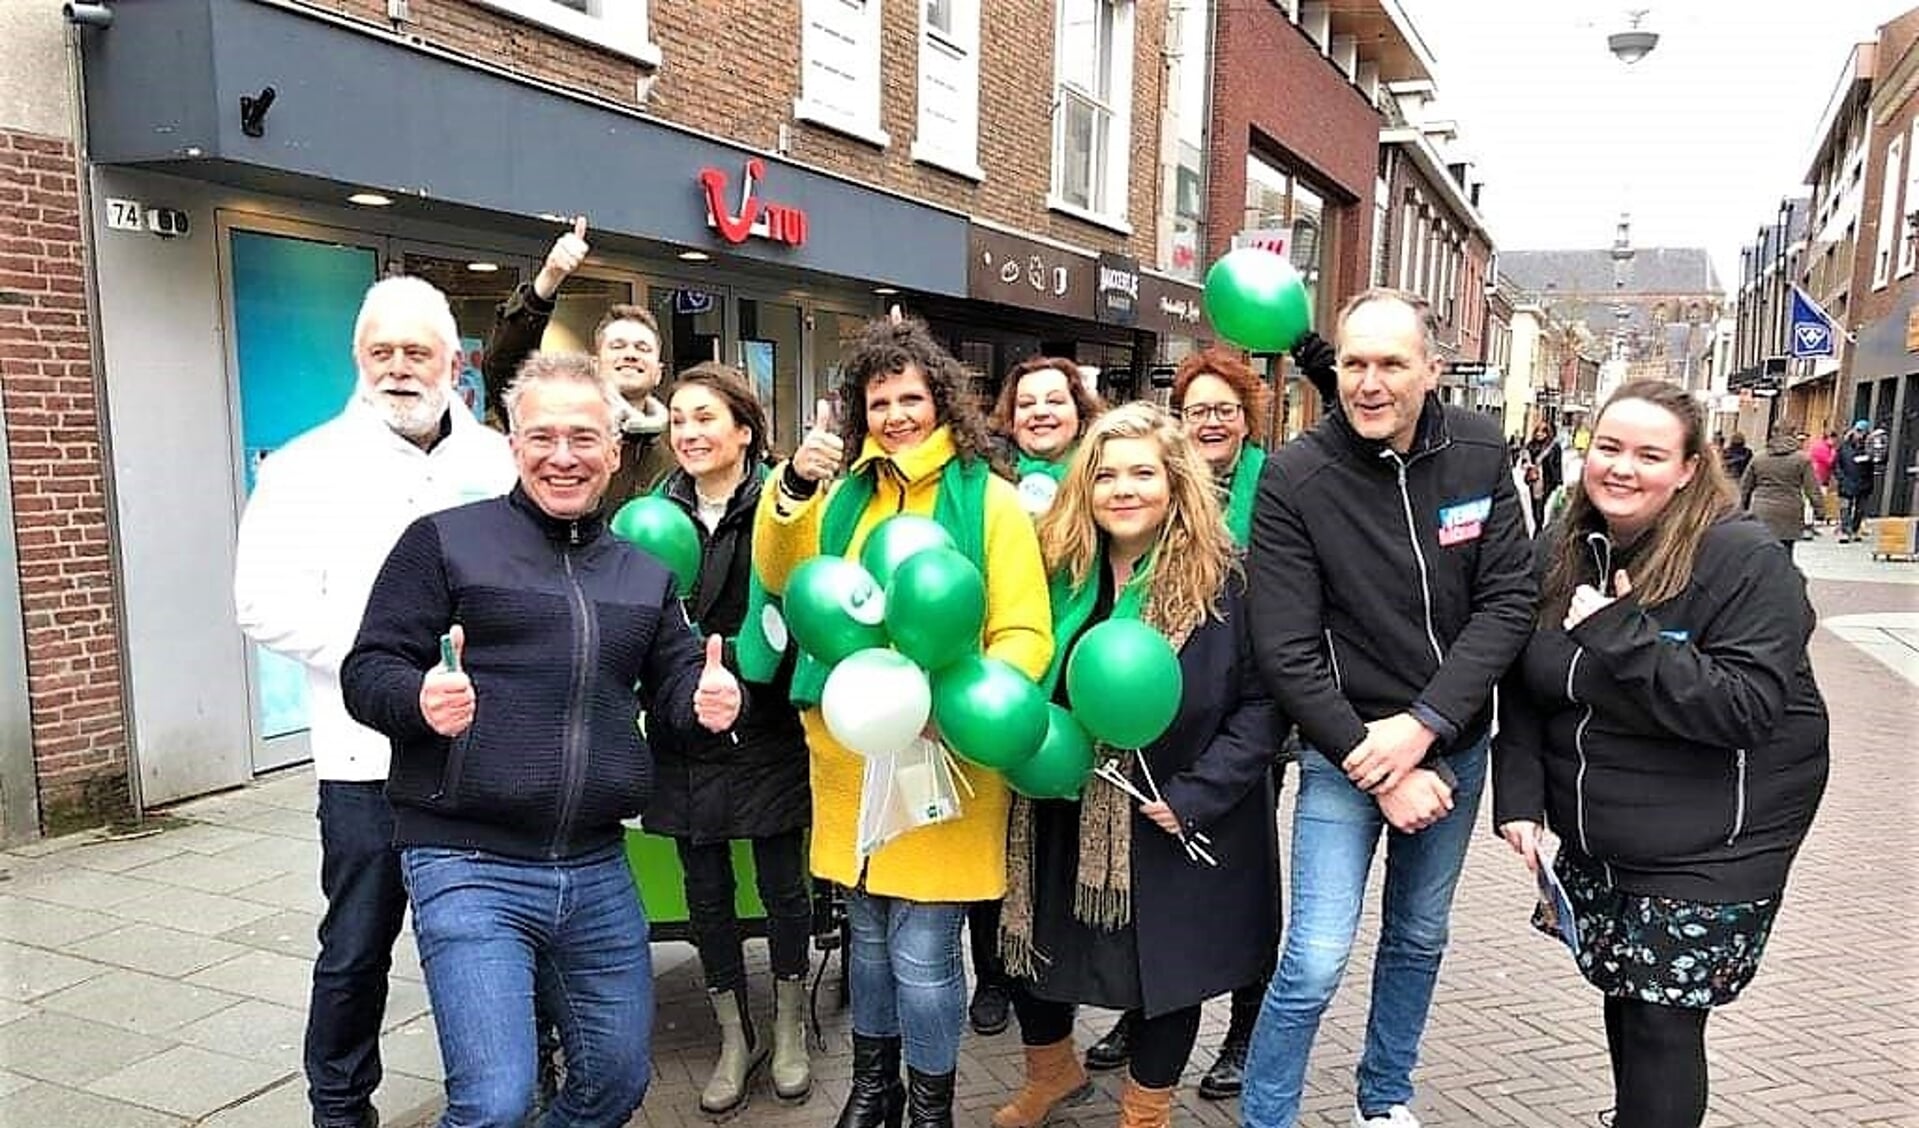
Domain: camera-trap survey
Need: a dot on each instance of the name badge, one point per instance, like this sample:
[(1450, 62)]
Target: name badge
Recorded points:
[(1036, 493), (1464, 521)]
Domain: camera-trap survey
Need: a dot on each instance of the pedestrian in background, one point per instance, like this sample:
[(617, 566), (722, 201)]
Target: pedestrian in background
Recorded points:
[(1664, 722), (1822, 452), (747, 785), (1853, 471), (1543, 470), (324, 513), (1735, 457), (1777, 487)]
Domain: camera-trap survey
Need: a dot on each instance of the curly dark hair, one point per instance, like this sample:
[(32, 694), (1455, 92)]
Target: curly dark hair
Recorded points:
[(1087, 403), (886, 348)]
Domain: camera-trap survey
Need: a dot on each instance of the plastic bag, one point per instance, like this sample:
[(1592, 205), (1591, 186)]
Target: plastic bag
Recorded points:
[(914, 787)]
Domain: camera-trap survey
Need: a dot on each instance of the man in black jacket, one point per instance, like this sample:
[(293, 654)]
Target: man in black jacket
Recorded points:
[(1392, 585), (507, 651), (626, 343)]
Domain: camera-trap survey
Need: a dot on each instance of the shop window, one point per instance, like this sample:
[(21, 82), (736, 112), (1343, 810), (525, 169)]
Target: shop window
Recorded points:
[(840, 67), (619, 26), (947, 134), (692, 323), (1278, 200), (474, 287), (577, 309), (1092, 110)]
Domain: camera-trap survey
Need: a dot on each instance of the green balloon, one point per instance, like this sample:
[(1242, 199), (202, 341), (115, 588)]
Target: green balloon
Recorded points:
[(897, 538), (988, 712), (834, 608), (1124, 682), (1060, 767), (663, 531), (1257, 300), (936, 607)]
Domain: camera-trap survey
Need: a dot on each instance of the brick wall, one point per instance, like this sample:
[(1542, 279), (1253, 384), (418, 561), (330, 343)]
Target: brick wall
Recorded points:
[(732, 69), (1890, 118), (1270, 80), (59, 496)]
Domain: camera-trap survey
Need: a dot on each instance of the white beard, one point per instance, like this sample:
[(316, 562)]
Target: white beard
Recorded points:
[(415, 420)]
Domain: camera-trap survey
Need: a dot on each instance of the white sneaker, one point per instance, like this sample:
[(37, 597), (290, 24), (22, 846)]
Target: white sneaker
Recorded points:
[(1398, 1116)]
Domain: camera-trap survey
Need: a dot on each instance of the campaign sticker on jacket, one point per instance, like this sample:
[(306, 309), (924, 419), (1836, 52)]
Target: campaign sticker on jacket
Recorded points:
[(1463, 521), (1676, 636)]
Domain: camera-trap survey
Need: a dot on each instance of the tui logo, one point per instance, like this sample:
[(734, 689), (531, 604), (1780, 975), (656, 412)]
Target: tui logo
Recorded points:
[(755, 218)]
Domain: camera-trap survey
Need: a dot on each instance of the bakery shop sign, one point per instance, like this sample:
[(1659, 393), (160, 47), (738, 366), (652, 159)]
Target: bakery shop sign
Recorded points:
[(1014, 271)]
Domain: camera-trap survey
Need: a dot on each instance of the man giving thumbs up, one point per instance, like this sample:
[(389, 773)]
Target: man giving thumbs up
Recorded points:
[(507, 650)]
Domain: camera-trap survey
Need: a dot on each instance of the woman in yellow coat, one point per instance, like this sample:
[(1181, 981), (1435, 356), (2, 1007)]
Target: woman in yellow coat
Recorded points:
[(919, 447)]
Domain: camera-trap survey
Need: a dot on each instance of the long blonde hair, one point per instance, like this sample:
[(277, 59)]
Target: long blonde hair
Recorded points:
[(1194, 555), (1664, 567)]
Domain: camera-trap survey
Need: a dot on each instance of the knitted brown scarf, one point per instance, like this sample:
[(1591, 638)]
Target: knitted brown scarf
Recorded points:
[(1103, 885)]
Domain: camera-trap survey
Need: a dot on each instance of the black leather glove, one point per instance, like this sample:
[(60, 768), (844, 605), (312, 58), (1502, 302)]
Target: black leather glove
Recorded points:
[(1318, 360)]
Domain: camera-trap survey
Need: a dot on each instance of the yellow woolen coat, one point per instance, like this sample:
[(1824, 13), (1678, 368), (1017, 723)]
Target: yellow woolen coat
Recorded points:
[(960, 860)]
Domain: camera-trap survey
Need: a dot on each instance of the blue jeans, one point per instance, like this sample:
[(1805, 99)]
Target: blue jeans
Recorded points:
[(492, 932), (365, 905), (1335, 830), (907, 979)]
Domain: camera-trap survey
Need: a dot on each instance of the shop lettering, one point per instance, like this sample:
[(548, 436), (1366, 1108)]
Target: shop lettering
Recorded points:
[(1123, 281), (756, 218), (1183, 310)]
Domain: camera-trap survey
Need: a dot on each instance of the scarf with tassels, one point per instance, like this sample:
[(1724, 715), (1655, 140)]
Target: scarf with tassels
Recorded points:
[(1103, 884)]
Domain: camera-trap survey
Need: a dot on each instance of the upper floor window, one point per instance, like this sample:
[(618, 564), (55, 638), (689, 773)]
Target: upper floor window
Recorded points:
[(947, 133), (1889, 223), (840, 67), (1092, 109), (619, 26), (1909, 230)]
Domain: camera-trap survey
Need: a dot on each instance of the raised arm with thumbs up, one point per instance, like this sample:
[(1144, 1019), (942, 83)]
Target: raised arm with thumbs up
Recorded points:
[(446, 693), (716, 700), (821, 451), (565, 257)]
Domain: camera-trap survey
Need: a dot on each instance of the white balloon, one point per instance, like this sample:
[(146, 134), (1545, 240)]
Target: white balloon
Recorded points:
[(876, 701)]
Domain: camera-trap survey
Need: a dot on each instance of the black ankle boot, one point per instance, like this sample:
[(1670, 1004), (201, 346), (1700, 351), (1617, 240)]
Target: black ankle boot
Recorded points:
[(1114, 1050), (878, 1099), (929, 1099)]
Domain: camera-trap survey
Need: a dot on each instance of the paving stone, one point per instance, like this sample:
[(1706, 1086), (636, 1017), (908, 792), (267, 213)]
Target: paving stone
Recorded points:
[(136, 1001), (28, 974), (75, 887), (260, 975), (189, 910), (68, 1050), (296, 892), (208, 873), (58, 1107), (206, 838), (120, 855), (151, 948), (252, 1028), (188, 1081), (42, 924), (413, 1048), (288, 933)]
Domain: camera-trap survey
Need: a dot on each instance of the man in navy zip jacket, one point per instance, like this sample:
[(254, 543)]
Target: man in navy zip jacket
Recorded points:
[(514, 763), (1391, 587)]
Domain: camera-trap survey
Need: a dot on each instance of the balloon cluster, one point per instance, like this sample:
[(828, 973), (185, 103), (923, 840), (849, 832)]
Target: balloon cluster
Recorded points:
[(1257, 300), (1124, 682)]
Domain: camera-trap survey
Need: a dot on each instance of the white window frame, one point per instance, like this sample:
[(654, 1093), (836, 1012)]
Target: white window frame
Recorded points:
[(619, 26), (936, 141), (1115, 181), (1907, 229), (1888, 210), (863, 122)]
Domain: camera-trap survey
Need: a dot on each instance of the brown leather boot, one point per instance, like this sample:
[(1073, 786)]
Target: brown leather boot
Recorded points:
[(1140, 1107), (1054, 1077)]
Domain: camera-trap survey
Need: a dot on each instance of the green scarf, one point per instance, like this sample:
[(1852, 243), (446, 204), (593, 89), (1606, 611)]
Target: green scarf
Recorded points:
[(1056, 470), (1239, 503), (960, 509), (1072, 606)]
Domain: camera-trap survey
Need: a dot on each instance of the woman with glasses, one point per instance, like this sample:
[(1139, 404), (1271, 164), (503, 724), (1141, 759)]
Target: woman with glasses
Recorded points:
[(750, 784), (1043, 409), (1110, 896)]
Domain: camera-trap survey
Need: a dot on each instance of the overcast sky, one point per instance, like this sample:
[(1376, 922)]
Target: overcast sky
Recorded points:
[(1702, 137)]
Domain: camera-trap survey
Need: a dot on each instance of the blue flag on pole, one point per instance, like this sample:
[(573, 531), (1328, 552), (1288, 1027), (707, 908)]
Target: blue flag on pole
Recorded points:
[(1811, 329)]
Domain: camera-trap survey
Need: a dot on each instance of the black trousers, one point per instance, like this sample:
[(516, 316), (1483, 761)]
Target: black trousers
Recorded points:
[(780, 869), (1658, 1064), (982, 929), (1160, 1045)]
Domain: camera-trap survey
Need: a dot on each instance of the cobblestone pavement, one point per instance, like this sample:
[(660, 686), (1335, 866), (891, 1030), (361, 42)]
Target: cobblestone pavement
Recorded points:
[(160, 979)]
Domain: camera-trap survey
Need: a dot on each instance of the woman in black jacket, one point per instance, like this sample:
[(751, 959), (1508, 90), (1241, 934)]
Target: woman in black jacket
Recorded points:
[(1664, 722), (1105, 903), (750, 784)]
